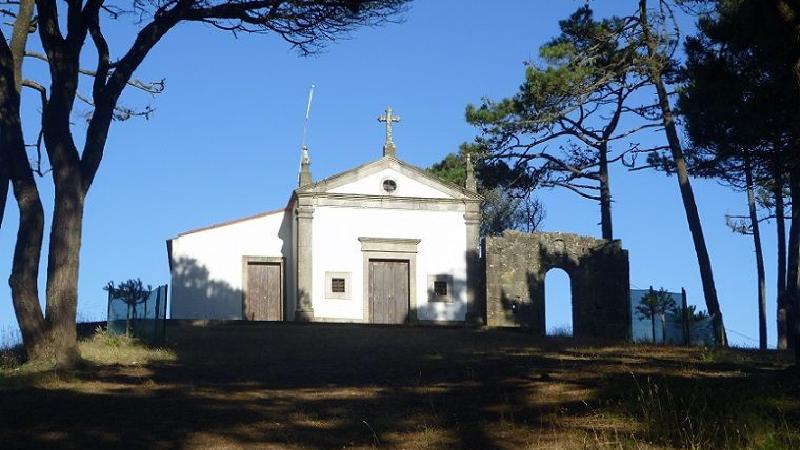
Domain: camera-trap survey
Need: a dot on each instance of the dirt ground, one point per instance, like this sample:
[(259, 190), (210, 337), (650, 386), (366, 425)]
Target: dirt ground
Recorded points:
[(281, 385)]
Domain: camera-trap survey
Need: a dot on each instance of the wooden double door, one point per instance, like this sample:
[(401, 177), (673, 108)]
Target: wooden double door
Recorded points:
[(388, 291), (263, 292)]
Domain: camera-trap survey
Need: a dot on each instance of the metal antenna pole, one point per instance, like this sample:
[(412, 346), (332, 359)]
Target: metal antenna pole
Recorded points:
[(304, 147)]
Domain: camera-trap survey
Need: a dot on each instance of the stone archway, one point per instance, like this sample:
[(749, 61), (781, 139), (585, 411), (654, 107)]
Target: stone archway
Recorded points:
[(557, 303), (516, 264)]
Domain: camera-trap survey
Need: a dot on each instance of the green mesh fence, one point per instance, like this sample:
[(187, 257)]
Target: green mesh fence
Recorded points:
[(144, 319)]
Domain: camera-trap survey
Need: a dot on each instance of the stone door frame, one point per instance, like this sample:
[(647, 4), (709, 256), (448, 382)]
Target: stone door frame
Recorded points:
[(390, 249)]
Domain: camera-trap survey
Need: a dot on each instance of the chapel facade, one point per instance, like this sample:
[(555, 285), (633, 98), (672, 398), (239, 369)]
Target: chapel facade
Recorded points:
[(385, 242)]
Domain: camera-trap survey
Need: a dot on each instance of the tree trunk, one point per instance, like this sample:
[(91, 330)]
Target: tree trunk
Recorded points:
[(780, 220), (762, 288), (693, 219), (793, 274), (62, 264), (605, 195), (25, 264), (4, 181), (653, 326), (687, 195), (19, 38), (789, 12)]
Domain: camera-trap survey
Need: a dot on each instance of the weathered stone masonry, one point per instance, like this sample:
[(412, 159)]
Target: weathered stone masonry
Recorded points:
[(516, 264)]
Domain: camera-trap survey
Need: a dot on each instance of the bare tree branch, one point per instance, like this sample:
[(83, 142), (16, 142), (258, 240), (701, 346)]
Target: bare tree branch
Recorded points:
[(151, 87), (43, 98), (577, 190)]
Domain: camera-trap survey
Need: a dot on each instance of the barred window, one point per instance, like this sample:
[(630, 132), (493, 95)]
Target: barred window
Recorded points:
[(440, 288), (337, 285)]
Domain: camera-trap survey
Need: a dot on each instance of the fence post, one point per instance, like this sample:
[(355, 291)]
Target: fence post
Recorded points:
[(687, 328), (108, 310)]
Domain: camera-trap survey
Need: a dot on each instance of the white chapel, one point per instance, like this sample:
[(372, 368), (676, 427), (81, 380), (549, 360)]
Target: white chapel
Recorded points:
[(385, 242)]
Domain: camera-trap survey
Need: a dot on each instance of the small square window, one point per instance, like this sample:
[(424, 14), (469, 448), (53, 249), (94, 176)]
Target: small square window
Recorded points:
[(440, 288), (337, 285)]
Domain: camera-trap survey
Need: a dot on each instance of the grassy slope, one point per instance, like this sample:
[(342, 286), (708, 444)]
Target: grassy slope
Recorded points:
[(328, 386)]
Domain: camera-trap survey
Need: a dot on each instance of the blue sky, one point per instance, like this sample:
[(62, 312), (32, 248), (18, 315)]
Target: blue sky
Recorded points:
[(224, 143)]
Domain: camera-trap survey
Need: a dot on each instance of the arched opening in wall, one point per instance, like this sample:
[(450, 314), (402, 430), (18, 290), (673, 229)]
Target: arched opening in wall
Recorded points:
[(557, 303)]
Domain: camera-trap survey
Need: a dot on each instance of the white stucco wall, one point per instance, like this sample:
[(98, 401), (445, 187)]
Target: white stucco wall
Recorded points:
[(441, 250), (207, 265), (406, 187)]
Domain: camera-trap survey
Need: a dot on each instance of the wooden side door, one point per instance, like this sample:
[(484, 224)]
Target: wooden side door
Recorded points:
[(263, 292), (388, 291)]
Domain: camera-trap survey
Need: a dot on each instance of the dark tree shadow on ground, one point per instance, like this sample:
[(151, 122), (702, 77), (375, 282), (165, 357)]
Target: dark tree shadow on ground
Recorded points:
[(276, 385)]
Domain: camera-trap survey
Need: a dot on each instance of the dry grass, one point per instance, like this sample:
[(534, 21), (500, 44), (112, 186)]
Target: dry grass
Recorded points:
[(106, 349), (328, 386), (100, 349), (11, 358)]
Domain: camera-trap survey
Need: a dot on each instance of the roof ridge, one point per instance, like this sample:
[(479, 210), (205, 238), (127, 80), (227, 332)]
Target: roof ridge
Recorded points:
[(234, 221)]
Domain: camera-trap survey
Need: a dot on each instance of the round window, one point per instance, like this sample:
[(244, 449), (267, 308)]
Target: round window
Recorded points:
[(389, 186)]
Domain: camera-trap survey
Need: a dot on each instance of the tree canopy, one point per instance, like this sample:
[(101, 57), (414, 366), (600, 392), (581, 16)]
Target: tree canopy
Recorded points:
[(507, 203), (562, 122), (739, 120)]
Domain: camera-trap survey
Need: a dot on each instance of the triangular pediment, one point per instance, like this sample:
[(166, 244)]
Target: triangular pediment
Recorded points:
[(410, 181)]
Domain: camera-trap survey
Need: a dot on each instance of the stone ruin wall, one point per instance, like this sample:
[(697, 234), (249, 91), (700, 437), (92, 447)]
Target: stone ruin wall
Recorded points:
[(516, 265)]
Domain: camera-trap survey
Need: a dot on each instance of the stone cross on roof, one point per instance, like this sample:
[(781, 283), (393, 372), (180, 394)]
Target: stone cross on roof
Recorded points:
[(388, 118)]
